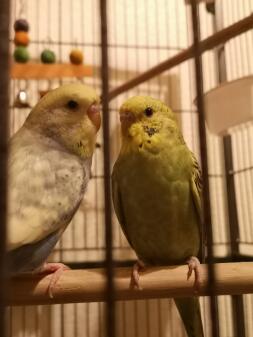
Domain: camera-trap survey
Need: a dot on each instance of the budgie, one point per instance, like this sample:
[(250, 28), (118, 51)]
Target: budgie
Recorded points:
[(156, 190), (49, 167)]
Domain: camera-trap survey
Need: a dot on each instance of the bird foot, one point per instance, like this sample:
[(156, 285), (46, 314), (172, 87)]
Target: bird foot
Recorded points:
[(135, 276), (194, 265), (56, 269)]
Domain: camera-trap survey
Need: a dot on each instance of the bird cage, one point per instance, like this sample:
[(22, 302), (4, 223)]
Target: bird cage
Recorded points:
[(196, 57)]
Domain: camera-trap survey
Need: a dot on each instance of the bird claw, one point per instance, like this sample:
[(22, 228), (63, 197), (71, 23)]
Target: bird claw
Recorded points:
[(194, 265), (56, 269), (135, 276)]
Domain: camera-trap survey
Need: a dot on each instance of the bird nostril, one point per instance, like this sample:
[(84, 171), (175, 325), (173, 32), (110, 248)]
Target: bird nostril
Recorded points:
[(122, 118), (126, 116), (150, 130), (93, 109)]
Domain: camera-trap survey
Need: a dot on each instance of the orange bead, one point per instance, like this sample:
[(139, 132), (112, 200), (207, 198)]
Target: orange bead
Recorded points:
[(76, 56), (21, 38)]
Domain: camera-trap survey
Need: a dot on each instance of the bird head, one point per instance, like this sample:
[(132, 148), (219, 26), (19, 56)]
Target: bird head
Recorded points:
[(70, 115), (146, 124)]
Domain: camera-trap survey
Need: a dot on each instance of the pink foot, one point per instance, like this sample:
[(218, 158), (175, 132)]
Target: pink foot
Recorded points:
[(56, 269), (194, 265), (135, 276)]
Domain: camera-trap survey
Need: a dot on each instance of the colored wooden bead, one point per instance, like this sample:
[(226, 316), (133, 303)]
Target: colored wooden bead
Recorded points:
[(47, 56), (21, 25), (21, 54), (76, 56), (21, 38)]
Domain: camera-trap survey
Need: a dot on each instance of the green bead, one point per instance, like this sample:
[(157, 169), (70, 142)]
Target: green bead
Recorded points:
[(47, 56), (21, 54)]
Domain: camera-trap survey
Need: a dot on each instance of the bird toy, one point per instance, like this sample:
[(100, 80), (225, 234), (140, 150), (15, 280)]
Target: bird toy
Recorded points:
[(21, 41), (76, 56)]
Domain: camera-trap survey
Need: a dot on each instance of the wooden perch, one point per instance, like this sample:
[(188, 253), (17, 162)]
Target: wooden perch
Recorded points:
[(211, 42), (160, 282), (38, 71)]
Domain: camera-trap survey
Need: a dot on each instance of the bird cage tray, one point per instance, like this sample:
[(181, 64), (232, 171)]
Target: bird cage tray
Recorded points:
[(49, 71), (229, 105)]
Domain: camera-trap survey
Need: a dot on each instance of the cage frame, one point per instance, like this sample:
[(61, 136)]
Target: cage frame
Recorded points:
[(195, 51)]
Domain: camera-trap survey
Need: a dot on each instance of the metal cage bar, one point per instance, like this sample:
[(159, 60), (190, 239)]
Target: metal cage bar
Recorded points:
[(208, 233), (237, 300), (4, 103), (213, 41), (110, 310)]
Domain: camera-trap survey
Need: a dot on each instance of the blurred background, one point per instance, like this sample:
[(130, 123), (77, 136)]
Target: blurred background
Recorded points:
[(142, 34)]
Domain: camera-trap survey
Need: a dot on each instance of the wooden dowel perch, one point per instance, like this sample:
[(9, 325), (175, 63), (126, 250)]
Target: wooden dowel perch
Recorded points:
[(211, 42), (160, 282)]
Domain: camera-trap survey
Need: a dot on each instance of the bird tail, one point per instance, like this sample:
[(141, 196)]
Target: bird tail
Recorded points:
[(189, 310)]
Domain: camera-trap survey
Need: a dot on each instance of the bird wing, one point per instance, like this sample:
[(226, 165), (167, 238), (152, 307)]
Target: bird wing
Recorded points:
[(45, 189), (117, 203), (29, 257), (196, 190)]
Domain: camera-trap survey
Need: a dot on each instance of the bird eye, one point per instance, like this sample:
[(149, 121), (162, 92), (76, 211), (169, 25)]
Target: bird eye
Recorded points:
[(148, 112), (72, 104)]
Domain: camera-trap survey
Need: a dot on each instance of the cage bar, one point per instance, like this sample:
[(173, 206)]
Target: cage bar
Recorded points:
[(110, 309), (208, 232), (141, 35), (213, 41), (4, 103)]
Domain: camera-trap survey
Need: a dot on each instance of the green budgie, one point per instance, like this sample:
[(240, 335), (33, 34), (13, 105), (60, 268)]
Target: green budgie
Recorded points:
[(156, 186), (49, 168)]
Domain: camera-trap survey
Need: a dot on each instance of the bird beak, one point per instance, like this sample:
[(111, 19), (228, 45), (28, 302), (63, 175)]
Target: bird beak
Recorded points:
[(126, 119), (93, 113)]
